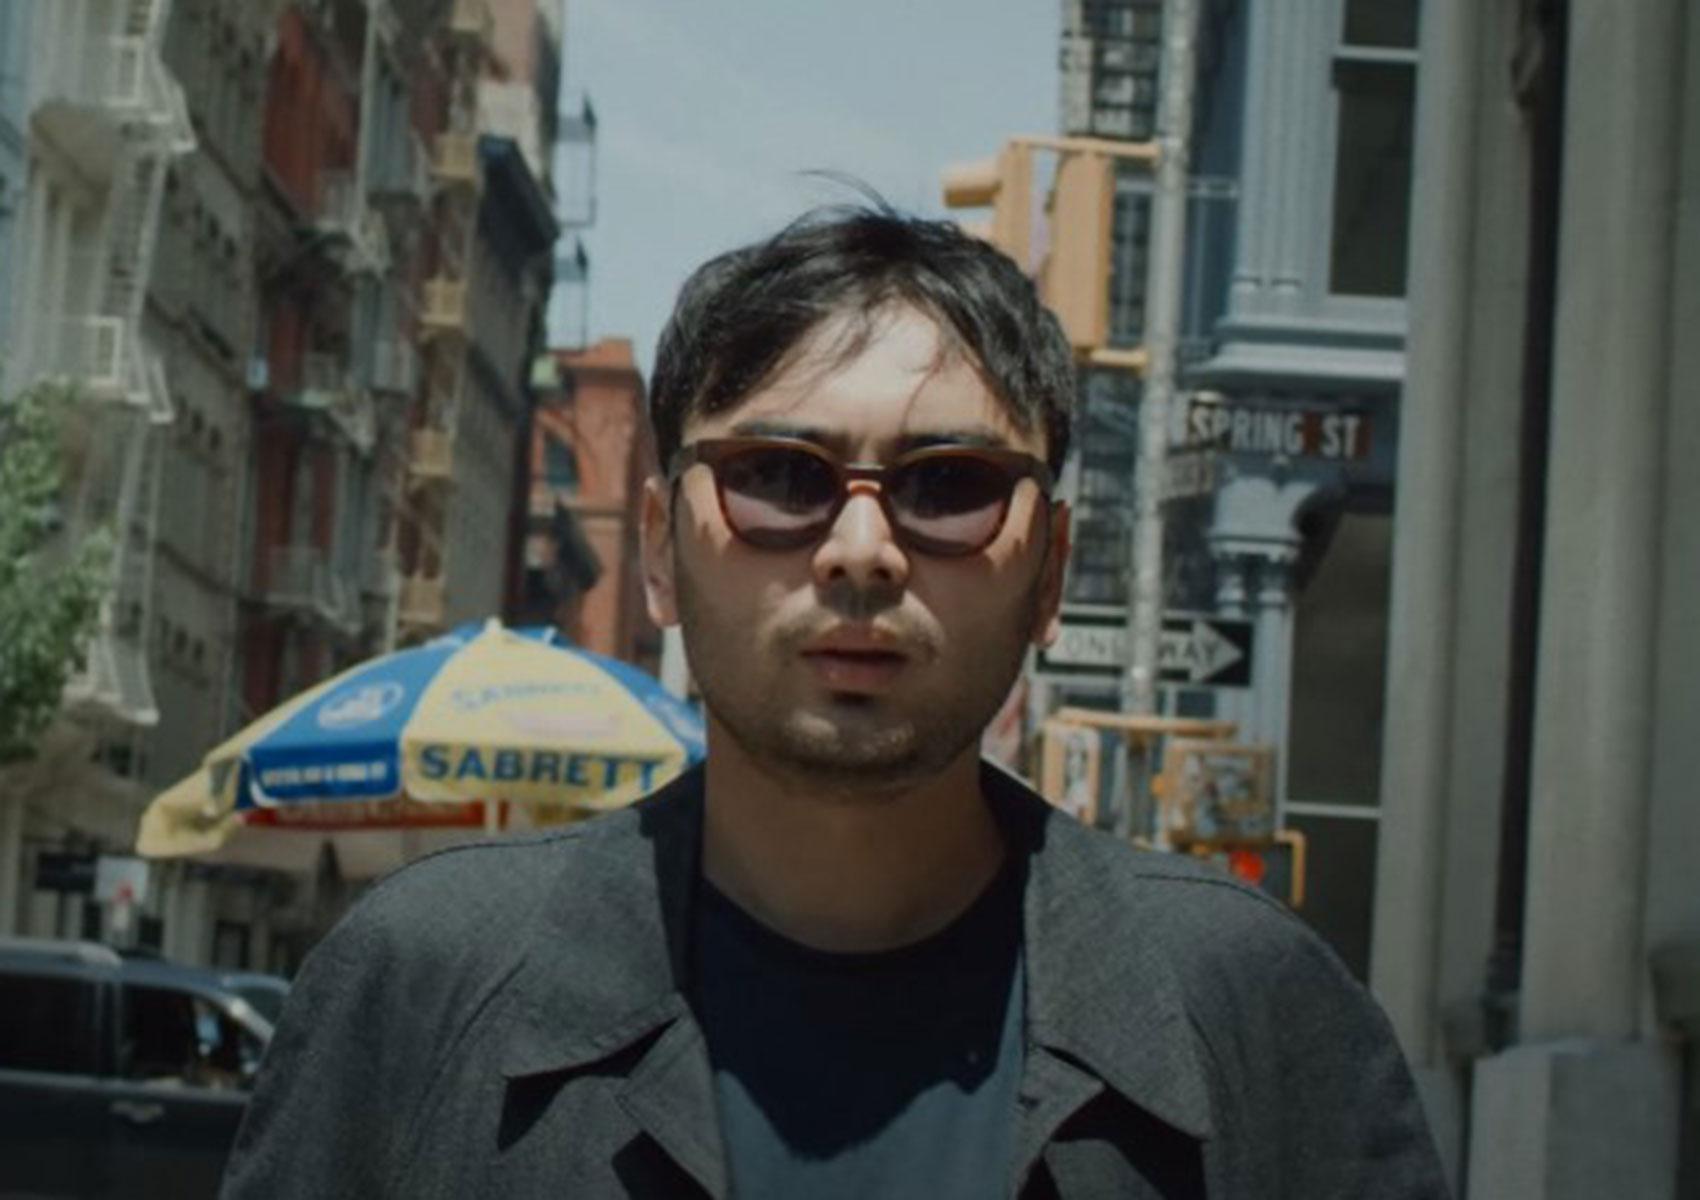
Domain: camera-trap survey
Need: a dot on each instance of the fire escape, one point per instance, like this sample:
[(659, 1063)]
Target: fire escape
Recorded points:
[(340, 248), (457, 173), (106, 101), (396, 162)]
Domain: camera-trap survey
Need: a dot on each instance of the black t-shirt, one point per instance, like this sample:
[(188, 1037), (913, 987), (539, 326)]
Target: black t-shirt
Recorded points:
[(864, 1075)]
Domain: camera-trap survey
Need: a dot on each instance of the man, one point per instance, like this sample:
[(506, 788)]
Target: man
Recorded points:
[(845, 958)]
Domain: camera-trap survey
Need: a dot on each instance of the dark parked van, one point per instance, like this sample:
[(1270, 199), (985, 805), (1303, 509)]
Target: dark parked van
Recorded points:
[(118, 1076)]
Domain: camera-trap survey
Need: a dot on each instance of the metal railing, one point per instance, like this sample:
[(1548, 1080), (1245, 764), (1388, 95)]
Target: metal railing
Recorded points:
[(92, 351), (301, 577), (421, 604), (344, 215), (404, 172), (395, 367), (326, 388), (454, 158), (339, 203), (473, 19), (444, 309), (107, 73), (431, 455), (297, 576)]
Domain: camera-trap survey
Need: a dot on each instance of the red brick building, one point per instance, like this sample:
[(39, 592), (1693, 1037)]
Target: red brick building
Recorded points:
[(590, 453)]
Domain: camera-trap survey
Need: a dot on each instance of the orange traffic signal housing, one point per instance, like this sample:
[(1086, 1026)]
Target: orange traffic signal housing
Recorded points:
[(1003, 183), (1075, 277)]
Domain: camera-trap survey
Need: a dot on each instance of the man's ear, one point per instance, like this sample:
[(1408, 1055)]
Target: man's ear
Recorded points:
[(1047, 622), (655, 540)]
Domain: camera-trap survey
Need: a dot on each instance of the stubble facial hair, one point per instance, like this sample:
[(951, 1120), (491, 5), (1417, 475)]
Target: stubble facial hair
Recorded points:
[(849, 743)]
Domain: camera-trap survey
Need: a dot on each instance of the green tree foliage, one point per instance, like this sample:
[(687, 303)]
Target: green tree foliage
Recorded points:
[(50, 592)]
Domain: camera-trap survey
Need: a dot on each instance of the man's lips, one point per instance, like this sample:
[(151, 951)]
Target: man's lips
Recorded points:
[(855, 663)]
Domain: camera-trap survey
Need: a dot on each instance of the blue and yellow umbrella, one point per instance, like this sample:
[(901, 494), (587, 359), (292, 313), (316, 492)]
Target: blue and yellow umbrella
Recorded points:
[(449, 733)]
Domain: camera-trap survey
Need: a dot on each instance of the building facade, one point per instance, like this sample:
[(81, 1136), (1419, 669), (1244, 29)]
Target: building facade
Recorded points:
[(98, 121), (1537, 931), (299, 284), (591, 451), (1292, 334), (14, 124), (460, 536)]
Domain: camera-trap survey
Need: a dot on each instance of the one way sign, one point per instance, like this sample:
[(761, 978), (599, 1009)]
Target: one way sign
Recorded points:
[(1204, 651)]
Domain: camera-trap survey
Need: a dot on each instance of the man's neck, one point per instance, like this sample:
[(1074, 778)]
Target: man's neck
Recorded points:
[(847, 870)]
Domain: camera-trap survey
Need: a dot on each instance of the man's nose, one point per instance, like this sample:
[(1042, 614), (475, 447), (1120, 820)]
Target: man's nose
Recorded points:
[(861, 547)]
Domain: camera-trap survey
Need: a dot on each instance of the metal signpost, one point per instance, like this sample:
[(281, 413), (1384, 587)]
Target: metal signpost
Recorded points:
[(1163, 312)]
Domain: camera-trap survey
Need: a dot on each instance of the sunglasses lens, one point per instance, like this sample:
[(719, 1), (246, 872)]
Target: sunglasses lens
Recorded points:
[(952, 503), (777, 497)]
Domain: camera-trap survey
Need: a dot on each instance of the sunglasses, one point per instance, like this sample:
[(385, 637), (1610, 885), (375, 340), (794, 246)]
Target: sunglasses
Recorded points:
[(783, 494)]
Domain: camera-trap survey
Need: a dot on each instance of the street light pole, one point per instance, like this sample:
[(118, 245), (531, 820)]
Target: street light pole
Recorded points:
[(1164, 282)]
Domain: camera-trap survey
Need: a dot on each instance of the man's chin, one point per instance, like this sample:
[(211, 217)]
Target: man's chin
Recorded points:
[(834, 746)]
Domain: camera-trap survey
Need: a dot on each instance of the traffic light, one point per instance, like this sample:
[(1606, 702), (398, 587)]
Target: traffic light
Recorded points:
[(1075, 277), (1003, 183)]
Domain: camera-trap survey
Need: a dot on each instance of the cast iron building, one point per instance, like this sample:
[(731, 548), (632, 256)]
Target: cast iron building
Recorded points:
[(296, 264), (1537, 933), (1293, 322), (95, 121)]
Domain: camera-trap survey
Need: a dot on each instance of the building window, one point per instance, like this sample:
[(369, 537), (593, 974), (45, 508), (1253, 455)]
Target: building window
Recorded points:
[(1386, 23), (1107, 447), (1375, 69), (230, 945), (560, 464), (1110, 55), (1130, 239)]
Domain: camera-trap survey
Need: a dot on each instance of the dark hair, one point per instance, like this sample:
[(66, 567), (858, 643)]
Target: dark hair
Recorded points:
[(740, 315)]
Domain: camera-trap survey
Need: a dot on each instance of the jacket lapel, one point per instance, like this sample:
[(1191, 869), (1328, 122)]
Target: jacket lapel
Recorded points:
[(1103, 1006), (605, 970)]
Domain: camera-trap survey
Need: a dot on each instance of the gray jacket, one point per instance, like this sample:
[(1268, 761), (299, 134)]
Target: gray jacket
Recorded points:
[(509, 1019)]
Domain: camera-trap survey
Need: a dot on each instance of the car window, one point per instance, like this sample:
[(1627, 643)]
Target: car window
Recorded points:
[(46, 1025), (159, 1036), (266, 996), (228, 1053), (177, 1037)]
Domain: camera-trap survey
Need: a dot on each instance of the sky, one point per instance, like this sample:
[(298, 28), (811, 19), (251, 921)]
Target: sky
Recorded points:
[(711, 111)]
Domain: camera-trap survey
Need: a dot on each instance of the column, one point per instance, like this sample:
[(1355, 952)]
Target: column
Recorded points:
[(1274, 661), (1588, 1104), (1255, 540), (1233, 599), (1283, 180), (1584, 959)]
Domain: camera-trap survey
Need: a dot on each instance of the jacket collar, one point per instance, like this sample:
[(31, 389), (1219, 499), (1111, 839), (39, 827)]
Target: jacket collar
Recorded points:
[(1101, 990), (607, 961), (607, 957)]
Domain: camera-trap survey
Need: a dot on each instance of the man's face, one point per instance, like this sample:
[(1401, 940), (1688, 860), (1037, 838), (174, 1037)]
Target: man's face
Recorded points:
[(855, 657)]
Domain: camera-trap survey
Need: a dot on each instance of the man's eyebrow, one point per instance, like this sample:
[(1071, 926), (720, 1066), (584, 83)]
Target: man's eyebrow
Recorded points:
[(972, 435), (968, 435), (768, 427)]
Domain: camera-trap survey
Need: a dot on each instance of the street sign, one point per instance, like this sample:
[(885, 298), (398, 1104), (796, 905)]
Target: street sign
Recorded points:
[(1189, 474), (1236, 426), (120, 879), (1093, 641), (1200, 650)]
